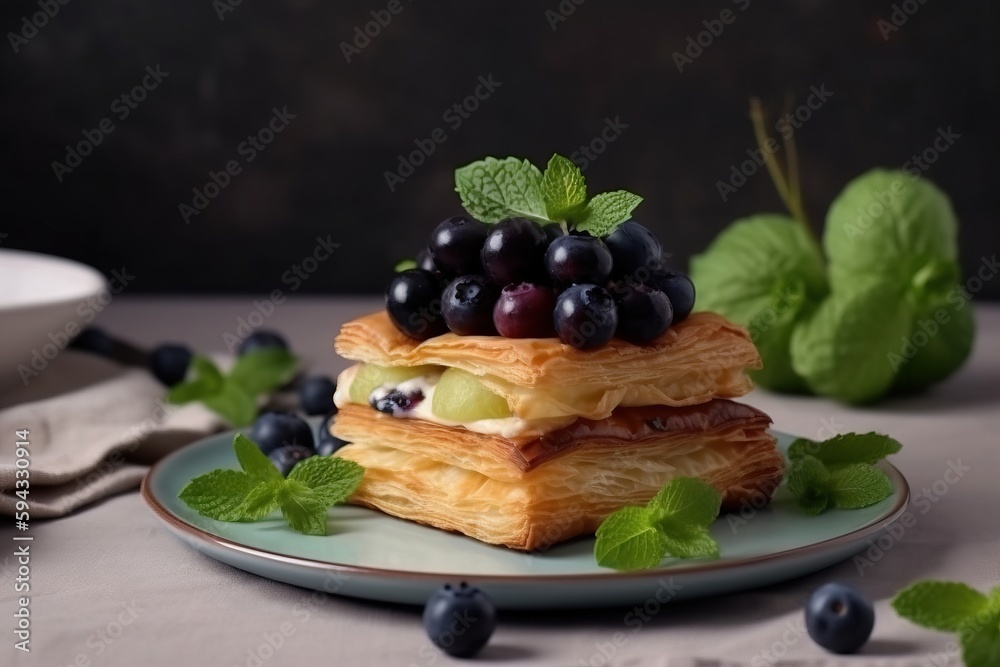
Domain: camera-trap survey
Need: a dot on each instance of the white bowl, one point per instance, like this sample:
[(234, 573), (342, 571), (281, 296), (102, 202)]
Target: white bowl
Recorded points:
[(43, 305)]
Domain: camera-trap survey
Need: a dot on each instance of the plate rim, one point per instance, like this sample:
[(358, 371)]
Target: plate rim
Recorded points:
[(178, 524)]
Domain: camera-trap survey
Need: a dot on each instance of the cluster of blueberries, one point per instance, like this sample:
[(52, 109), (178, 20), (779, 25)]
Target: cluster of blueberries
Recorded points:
[(519, 279)]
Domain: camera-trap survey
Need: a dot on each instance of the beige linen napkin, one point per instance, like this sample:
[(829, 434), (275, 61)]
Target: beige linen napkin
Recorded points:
[(94, 428)]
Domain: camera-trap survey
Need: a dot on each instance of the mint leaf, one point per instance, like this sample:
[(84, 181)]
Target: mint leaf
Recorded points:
[(262, 499), (857, 485), (253, 461), (563, 188), (979, 636), (206, 380), (606, 211), (690, 542), (263, 370), (686, 501), (493, 190), (332, 479), (809, 482), (218, 494), (405, 265), (303, 508), (848, 448), (233, 404), (940, 605), (627, 540)]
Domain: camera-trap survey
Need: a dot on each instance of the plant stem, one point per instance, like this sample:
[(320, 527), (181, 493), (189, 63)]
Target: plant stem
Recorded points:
[(788, 189)]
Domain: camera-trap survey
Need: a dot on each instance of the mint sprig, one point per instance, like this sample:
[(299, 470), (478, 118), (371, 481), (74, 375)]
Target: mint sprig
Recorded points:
[(955, 607), (304, 497), (234, 396), (839, 472), (675, 522), (495, 189)]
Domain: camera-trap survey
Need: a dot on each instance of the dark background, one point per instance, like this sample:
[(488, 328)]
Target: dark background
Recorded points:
[(324, 174)]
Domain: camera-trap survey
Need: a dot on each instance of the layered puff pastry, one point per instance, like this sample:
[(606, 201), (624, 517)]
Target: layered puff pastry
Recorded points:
[(589, 432)]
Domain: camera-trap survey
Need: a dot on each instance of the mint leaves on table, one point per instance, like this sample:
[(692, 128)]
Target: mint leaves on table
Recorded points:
[(234, 396), (839, 472), (304, 497), (495, 189), (955, 607), (675, 523)]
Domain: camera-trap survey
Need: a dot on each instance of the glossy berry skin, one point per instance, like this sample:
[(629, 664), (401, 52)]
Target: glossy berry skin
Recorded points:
[(413, 301), (326, 442), (262, 339), (679, 289), (839, 618), (553, 231), (284, 458), (460, 620), (395, 402), (316, 395), (272, 430), (425, 261), (514, 252), (467, 305), (578, 259), (643, 312), (585, 316), (95, 340), (635, 250), (525, 311), (455, 244), (169, 363)]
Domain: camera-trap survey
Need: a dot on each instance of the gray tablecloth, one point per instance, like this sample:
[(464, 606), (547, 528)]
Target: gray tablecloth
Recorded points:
[(110, 586)]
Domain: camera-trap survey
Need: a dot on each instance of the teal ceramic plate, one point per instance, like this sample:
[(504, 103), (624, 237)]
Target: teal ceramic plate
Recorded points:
[(371, 555)]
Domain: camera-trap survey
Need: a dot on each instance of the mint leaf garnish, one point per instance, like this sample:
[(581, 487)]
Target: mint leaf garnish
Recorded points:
[(232, 403), (205, 381), (675, 522), (493, 190), (606, 211), (955, 607), (979, 636), (809, 481), (304, 498), (564, 189), (405, 265), (858, 485), (262, 371), (850, 448)]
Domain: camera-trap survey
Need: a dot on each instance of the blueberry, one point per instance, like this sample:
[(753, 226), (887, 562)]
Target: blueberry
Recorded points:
[(643, 312), (635, 250), (514, 252), (678, 288), (524, 311), (316, 395), (467, 306), (839, 618), (95, 340), (460, 621), (395, 402), (553, 231), (262, 340), (585, 316), (326, 442), (272, 430), (578, 259), (285, 457), (413, 301), (169, 363), (455, 245), (425, 261)]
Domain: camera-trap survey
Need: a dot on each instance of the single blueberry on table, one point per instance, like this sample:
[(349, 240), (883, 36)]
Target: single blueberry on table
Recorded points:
[(169, 363), (284, 458), (316, 395), (95, 340), (460, 620), (839, 618), (272, 430), (262, 339)]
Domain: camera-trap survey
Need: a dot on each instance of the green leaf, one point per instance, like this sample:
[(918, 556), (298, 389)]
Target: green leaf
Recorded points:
[(262, 499), (627, 540), (843, 350), (206, 380), (887, 226), (332, 479), (493, 190), (218, 494), (263, 370), (303, 508), (405, 265), (687, 501), (253, 461), (690, 542), (765, 273), (809, 482), (857, 485), (606, 211), (564, 189), (979, 636), (847, 448), (941, 605), (233, 404)]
